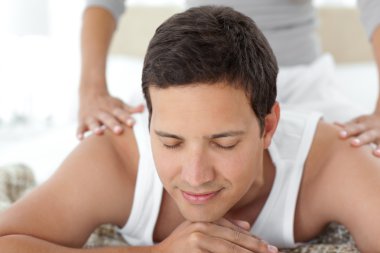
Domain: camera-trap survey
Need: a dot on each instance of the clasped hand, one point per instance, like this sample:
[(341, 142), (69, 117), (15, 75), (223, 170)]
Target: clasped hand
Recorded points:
[(222, 236)]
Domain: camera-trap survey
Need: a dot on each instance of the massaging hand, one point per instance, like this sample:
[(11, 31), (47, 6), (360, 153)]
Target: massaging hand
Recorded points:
[(97, 112), (222, 236), (365, 129)]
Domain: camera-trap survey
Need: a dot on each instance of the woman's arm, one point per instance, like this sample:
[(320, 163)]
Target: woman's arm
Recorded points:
[(366, 128), (96, 106)]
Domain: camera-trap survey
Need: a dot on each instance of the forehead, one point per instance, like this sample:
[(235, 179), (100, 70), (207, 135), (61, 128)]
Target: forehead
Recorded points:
[(200, 104)]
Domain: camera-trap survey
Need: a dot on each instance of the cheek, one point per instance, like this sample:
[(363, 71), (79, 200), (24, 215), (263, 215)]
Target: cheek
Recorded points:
[(166, 164), (244, 167)]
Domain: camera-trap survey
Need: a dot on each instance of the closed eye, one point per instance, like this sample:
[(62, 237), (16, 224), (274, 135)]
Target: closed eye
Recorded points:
[(227, 147), (173, 146)]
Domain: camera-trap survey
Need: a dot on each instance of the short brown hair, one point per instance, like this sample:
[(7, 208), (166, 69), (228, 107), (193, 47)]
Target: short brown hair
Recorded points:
[(211, 44)]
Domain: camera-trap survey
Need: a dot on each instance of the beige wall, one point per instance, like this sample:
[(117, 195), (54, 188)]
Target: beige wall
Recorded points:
[(340, 28), (343, 35), (137, 27)]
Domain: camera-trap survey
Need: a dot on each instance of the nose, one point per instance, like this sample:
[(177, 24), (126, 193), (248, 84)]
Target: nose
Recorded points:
[(197, 168)]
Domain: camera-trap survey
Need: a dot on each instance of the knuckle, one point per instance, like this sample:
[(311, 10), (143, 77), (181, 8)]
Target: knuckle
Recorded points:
[(258, 245), (103, 115), (115, 111), (118, 112), (237, 235), (200, 226), (92, 123), (360, 127), (362, 118), (349, 129), (372, 134), (195, 238), (262, 247), (369, 136)]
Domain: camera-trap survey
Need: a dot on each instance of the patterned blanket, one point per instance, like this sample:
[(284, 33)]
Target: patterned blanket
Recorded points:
[(16, 180)]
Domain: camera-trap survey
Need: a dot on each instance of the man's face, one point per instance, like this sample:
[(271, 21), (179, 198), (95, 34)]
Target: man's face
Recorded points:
[(207, 148)]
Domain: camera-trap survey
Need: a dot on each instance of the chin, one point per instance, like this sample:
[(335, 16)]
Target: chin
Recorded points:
[(202, 213)]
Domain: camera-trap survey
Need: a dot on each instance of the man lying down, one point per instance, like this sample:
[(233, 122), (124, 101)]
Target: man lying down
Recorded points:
[(212, 167)]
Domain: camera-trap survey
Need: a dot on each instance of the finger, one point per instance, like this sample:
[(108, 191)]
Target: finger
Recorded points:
[(234, 226), (130, 121), (236, 236), (242, 224), (137, 109), (246, 226), (124, 116), (121, 114), (110, 122), (94, 126), (365, 138), (218, 245), (82, 128), (376, 149), (376, 152), (352, 129), (339, 124)]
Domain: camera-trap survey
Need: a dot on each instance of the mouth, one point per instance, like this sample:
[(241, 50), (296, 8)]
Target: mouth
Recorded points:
[(199, 198)]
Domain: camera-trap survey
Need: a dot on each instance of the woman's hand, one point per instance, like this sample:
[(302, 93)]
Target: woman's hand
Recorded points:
[(223, 236), (365, 129), (98, 112)]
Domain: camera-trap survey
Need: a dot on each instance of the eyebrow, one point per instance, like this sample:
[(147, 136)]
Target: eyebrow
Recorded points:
[(227, 134), (214, 136), (167, 135)]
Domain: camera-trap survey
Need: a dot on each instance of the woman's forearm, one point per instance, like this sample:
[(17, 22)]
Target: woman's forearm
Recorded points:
[(376, 50), (97, 31)]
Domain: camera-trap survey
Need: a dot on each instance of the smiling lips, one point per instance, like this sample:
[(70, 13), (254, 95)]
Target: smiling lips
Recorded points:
[(199, 198)]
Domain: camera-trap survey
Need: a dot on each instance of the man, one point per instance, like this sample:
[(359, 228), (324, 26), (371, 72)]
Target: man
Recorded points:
[(226, 181), (289, 26)]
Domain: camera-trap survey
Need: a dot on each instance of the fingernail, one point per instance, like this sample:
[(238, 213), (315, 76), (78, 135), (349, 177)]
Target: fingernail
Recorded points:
[(97, 130), (80, 136), (272, 249), (130, 121), (117, 129), (343, 134), (355, 141)]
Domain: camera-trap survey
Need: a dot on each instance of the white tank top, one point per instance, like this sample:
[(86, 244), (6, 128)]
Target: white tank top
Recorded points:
[(275, 223)]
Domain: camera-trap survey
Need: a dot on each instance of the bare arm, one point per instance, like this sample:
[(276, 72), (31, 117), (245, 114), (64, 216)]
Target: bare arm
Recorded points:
[(93, 186), (376, 50), (97, 31), (97, 106), (22, 243)]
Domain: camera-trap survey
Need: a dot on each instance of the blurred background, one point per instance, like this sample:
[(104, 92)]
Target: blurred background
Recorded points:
[(40, 65)]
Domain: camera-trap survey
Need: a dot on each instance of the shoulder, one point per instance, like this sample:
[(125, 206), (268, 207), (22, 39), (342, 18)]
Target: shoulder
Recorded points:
[(108, 163), (342, 183)]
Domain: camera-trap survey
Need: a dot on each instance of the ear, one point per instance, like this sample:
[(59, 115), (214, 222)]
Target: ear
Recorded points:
[(271, 122)]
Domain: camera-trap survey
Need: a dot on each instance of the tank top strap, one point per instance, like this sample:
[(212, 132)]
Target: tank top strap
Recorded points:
[(288, 150), (148, 190)]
